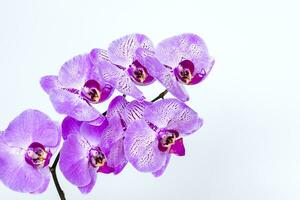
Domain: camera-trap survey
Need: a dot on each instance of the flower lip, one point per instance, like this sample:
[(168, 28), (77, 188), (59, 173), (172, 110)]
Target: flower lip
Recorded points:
[(139, 74), (37, 156), (184, 71), (91, 91), (198, 77), (166, 139), (96, 157)]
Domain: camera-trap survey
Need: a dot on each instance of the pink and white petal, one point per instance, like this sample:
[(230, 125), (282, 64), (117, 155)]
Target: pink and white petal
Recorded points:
[(122, 51), (48, 83), (112, 133), (163, 168), (166, 77), (70, 126), (162, 112), (186, 121), (88, 188), (173, 50), (116, 156), (16, 174), (18, 134), (134, 111), (56, 147), (97, 55), (116, 106), (173, 114), (73, 105), (141, 147), (74, 73), (74, 161), (32, 126), (45, 182), (91, 133), (142, 53), (95, 74), (98, 121), (48, 132), (3, 145), (119, 79)]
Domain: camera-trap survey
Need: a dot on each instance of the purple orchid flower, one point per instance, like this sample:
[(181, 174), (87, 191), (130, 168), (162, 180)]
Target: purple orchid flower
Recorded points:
[(89, 149), (115, 76), (188, 55), (122, 53), (149, 142), (183, 58), (26, 148), (78, 86)]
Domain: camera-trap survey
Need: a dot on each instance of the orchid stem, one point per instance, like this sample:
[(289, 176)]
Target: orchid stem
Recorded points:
[(54, 176), (160, 96)]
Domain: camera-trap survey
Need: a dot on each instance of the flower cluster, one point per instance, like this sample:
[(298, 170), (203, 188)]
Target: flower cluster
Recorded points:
[(143, 133)]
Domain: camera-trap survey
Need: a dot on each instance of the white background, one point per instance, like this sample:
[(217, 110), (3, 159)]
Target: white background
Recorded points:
[(249, 146)]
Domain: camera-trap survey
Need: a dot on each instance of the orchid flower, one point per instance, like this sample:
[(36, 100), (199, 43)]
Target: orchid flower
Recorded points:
[(137, 131), (26, 147), (150, 141), (78, 86), (85, 153), (183, 59), (122, 53)]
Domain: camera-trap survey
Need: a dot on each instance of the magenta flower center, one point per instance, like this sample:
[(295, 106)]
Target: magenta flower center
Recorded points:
[(184, 72), (37, 156), (139, 73), (167, 139), (96, 157), (91, 91)]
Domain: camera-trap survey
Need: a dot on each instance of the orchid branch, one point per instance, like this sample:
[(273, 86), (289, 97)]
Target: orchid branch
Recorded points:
[(53, 167), (54, 176), (160, 96)]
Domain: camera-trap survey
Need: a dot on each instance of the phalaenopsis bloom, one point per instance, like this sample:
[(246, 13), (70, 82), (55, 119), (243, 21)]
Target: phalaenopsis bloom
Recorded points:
[(150, 141), (182, 59), (132, 130), (26, 148)]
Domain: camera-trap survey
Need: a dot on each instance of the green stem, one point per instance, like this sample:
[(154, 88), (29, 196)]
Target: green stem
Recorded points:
[(160, 96)]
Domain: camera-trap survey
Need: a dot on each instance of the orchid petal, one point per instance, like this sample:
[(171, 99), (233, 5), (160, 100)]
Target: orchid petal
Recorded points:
[(122, 51), (174, 115), (141, 147), (119, 79), (73, 105), (173, 50), (75, 72)]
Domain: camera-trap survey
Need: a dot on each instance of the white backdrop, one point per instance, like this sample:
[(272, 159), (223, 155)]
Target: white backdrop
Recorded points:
[(249, 146)]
